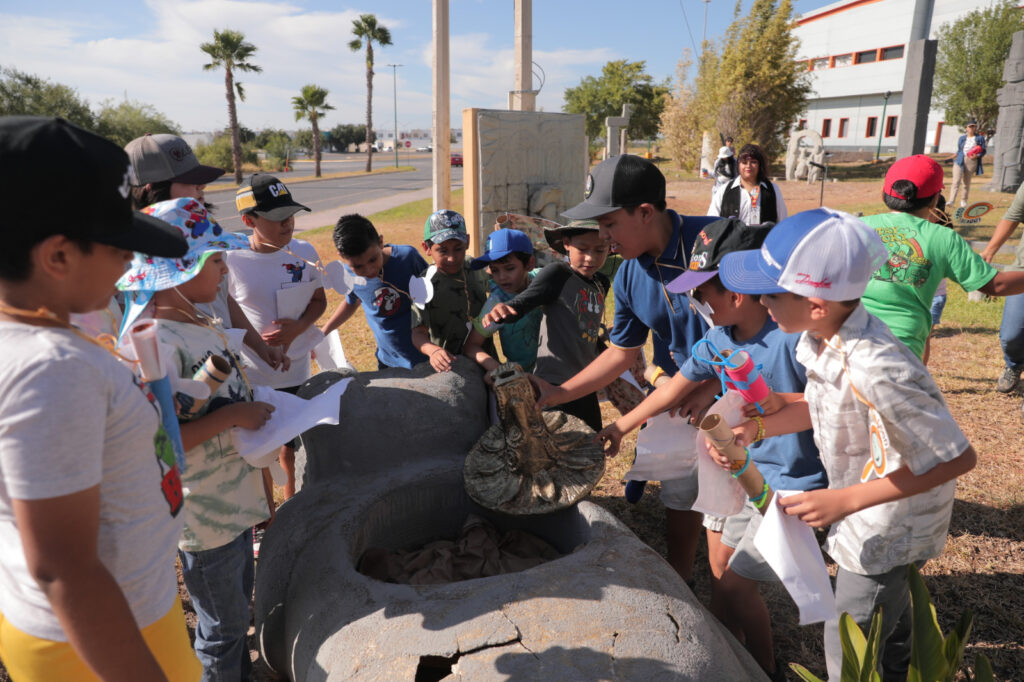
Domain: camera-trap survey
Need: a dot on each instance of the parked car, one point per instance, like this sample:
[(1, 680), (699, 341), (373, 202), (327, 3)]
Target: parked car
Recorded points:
[(456, 159), (428, 148)]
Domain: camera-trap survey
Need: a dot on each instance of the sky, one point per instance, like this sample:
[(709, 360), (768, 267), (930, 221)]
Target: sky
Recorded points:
[(148, 51)]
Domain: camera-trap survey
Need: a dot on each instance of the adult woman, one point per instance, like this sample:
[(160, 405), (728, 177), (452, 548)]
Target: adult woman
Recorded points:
[(970, 149), (751, 197)]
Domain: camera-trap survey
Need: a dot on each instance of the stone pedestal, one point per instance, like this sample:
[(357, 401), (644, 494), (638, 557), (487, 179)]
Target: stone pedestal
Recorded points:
[(1009, 147)]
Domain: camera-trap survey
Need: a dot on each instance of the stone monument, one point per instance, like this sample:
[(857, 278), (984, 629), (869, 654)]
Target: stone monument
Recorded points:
[(804, 147), (616, 136), (1009, 154), (707, 157)]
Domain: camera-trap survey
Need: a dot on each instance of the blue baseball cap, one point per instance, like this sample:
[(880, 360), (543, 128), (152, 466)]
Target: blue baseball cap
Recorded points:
[(822, 253), (500, 244)]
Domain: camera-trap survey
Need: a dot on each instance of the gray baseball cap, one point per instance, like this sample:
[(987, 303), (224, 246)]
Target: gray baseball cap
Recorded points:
[(624, 180), (164, 157)]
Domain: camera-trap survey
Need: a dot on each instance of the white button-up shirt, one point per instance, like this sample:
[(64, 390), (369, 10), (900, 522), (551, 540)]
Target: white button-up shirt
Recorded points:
[(921, 432)]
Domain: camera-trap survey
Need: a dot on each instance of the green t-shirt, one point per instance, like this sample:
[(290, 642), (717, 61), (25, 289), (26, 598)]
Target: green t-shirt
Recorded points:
[(921, 254), (450, 311)]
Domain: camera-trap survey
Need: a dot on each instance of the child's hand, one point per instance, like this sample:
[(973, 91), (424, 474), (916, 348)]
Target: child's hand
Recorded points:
[(279, 359), (498, 314), (286, 332), (547, 394), (771, 404), (251, 416), (611, 437), (818, 508), (743, 438), (441, 360), (692, 407)]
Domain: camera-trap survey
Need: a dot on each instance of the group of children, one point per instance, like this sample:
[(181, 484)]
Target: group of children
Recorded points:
[(91, 589)]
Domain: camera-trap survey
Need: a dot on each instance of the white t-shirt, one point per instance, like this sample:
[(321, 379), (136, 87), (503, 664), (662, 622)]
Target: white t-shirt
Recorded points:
[(255, 279), (71, 418), (749, 214)]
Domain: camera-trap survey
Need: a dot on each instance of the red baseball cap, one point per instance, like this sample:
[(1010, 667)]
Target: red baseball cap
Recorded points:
[(919, 169)]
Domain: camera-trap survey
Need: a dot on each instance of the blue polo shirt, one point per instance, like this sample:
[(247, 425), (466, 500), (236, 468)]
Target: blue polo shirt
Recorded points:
[(643, 304)]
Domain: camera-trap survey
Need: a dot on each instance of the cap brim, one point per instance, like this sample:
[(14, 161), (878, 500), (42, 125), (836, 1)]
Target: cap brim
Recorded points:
[(587, 211), (690, 280), (442, 237), (148, 235), (481, 262), (200, 175), (741, 272), (281, 212), (555, 241)]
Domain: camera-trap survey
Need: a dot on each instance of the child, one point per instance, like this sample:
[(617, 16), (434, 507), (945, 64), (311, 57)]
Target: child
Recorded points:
[(509, 260), (382, 272), (787, 463), (921, 253), (441, 327), (89, 504), (572, 295), (275, 261), (811, 272), (226, 496)]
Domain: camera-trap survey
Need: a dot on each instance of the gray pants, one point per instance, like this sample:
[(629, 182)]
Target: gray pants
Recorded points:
[(859, 595)]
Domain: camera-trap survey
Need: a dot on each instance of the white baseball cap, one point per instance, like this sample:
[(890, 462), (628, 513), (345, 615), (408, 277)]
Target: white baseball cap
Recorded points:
[(821, 253)]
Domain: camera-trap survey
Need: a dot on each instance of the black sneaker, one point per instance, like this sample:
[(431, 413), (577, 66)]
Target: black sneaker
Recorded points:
[(1008, 380)]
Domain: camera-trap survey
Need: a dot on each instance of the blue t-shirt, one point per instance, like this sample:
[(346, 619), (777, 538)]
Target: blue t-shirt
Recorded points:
[(788, 462), (519, 339), (388, 308), (643, 304)]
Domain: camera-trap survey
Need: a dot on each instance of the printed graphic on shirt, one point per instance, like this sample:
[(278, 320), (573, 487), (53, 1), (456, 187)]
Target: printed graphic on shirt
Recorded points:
[(906, 263), (170, 479), (589, 307), (295, 270), (387, 301)]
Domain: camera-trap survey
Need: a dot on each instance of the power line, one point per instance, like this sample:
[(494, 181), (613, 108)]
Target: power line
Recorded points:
[(696, 52)]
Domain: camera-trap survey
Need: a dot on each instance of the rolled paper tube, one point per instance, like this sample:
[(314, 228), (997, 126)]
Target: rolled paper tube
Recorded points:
[(745, 374), (143, 340), (751, 480), (213, 373)]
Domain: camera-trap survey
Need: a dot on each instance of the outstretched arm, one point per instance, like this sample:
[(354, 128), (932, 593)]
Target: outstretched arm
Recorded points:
[(340, 316)]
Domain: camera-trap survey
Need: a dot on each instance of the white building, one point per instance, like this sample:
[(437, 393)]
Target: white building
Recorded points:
[(855, 51)]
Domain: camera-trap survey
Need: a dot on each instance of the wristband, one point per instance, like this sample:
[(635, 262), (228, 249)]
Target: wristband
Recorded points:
[(745, 465), (761, 499), (658, 373), (760, 429)]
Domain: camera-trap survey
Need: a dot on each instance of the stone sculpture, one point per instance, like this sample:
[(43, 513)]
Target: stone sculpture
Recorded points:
[(1009, 153), (531, 462), (805, 146)]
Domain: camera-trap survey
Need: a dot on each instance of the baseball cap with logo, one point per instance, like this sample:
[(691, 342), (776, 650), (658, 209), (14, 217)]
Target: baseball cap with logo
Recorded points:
[(923, 171), (91, 174), (624, 180), (822, 253), (501, 243), (713, 242), (443, 225), (267, 197), (167, 158)]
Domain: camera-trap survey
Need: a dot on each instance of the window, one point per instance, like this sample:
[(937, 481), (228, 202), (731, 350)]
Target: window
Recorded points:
[(819, 63), (890, 126), (842, 60), (892, 52), (844, 123), (802, 125), (826, 127), (867, 56), (872, 126)]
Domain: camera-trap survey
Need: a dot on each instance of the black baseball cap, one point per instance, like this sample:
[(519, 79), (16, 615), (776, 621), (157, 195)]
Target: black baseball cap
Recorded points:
[(267, 197), (712, 244), (624, 180), (46, 158)]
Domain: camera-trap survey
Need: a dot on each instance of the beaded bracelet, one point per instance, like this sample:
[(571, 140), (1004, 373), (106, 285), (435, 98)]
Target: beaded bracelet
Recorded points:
[(761, 499), (745, 465), (760, 429)]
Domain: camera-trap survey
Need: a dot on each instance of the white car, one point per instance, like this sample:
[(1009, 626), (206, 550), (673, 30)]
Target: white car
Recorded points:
[(428, 148)]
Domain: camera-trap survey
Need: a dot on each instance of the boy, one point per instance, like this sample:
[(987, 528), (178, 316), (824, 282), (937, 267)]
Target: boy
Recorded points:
[(274, 262), (509, 260), (382, 272), (225, 496), (921, 254), (787, 463), (89, 510), (626, 195), (440, 328), (811, 272), (572, 295)]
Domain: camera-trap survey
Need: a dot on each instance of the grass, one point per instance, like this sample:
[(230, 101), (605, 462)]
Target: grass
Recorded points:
[(333, 176)]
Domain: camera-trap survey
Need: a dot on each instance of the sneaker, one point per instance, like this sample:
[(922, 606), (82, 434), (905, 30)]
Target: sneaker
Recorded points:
[(1008, 380)]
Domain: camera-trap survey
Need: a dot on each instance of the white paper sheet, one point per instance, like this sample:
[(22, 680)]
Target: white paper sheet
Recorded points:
[(719, 493), (791, 549), (665, 450), (330, 354), (293, 301)]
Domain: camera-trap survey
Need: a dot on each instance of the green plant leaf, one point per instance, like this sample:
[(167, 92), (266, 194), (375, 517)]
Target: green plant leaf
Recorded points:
[(927, 660), (869, 667), (854, 646), (804, 673), (983, 669), (956, 642)]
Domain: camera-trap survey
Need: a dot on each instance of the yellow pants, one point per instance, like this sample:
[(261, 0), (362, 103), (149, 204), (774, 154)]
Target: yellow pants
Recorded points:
[(29, 658)]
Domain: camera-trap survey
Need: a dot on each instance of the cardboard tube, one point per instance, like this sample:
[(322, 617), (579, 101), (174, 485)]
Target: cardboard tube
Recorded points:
[(746, 372), (213, 373), (751, 480), (143, 339)]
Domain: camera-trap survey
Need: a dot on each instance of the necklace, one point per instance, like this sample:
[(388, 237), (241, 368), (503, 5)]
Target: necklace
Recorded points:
[(105, 341)]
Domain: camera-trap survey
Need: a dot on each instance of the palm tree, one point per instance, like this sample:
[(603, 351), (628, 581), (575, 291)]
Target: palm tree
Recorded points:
[(366, 28), (312, 104), (230, 50)]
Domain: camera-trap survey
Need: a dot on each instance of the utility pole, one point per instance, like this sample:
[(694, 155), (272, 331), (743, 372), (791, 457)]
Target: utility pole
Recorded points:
[(881, 126), (394, 74), (704, 31), (442, 192)]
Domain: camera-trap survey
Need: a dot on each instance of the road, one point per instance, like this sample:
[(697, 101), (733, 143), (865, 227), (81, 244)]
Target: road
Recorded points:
[(328, 198)]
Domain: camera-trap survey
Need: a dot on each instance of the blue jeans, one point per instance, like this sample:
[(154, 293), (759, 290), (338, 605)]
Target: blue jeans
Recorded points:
[(220, 583), (938, 303), (1011, 331)]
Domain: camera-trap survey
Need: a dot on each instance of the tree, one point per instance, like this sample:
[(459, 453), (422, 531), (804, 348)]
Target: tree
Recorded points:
[(621, 82), (344, 134), (366, 28), (123, 122), (969, 64), (311, 105), (230, 50), (23, 94)]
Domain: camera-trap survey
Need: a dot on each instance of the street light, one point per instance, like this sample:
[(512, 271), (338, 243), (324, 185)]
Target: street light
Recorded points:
[(881, 127), (394, 73)]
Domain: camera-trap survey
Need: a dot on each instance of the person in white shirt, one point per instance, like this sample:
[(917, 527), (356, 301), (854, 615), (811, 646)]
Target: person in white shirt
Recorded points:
[(751, 196)]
